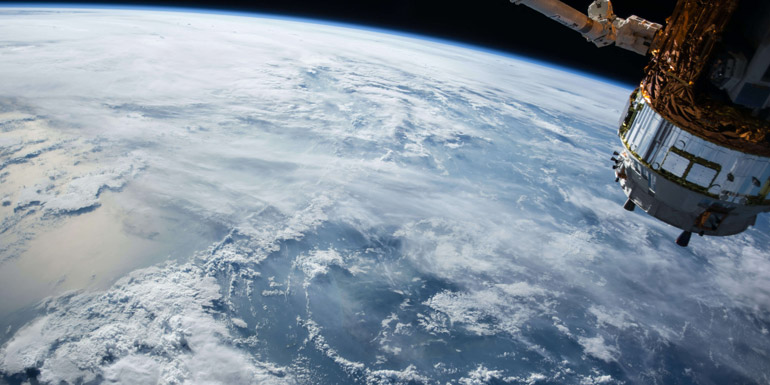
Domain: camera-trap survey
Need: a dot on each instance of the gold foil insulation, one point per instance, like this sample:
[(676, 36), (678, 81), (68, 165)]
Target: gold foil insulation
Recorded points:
[(674, 80)]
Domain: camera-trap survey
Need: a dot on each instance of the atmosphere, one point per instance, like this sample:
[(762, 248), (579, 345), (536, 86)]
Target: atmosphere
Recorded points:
[(494, 24)]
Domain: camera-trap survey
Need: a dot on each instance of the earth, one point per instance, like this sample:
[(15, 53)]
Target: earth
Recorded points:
[(208, 198)]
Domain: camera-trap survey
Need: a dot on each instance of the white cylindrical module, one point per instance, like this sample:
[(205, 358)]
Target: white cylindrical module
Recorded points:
[(687, 181)]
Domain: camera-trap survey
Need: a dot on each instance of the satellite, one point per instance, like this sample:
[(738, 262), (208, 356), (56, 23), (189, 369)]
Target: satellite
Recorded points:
[(696, 131)]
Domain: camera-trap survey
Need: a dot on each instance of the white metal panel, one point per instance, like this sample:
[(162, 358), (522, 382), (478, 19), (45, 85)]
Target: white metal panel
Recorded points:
[(701, 175), (649, 134), (675, 164)]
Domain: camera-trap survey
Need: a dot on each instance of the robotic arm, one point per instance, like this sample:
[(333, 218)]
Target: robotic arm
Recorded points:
[(600, 26)]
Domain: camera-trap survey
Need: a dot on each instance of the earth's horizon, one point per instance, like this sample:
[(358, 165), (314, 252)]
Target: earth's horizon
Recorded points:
[(197, 197)]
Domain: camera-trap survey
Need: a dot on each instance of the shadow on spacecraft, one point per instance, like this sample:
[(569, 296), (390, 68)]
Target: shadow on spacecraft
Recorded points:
[(696, 131)]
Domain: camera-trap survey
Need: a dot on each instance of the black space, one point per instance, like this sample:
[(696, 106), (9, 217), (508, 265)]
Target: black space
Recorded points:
[(495, 24)]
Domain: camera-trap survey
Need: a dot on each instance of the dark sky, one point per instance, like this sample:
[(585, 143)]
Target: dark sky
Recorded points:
[(495, 24)]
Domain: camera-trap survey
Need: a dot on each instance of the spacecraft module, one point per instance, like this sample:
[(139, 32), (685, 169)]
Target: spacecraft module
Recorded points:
[(696, 132)]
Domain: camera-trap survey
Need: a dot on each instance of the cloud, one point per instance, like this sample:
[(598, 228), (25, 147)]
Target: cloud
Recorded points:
[(503, 308), (157, 325), (317, 262), (78, 193), (597, 347)]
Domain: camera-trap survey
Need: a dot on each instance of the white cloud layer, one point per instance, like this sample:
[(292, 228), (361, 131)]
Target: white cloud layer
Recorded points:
[(153, 326)]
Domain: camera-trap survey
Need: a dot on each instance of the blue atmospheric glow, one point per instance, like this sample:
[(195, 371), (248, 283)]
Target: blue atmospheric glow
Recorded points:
[(330, 23)]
